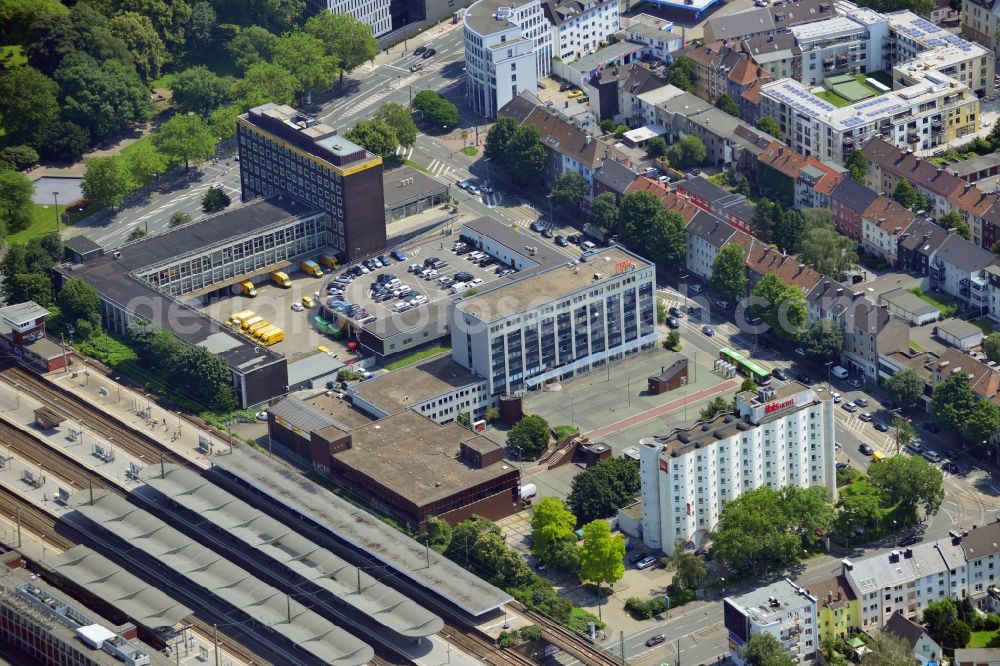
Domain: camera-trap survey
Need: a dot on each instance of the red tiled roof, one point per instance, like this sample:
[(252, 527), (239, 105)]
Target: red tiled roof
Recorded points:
[(918, 171), (763, 259), (781, 158), (984, 380), (973, 200), (668, 198), (886, 213), (752, 94)]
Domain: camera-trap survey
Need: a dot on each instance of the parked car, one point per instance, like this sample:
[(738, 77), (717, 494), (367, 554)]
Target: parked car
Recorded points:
[(953, 468), (837, 398), (866, 449), (850, 407), (843, 465), (932, 456), (915, 447), (561, 241), (398, 255), (866, 416), (534, 226), (645, 562), (575, 239), (855, 383), (800, 351), (546, 233), (384, 260), (673, 323), (804, 378), (707, 330), (881, 426), (908, 540), (675, 312), (429, 53), (861, 402), (695, 288), (419, 50)]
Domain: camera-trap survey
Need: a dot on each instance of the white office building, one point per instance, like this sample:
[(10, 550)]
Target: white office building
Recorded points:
[(508, 46), (373, 12), (560, 321), (580, 27), (777, 438), (847, 44), (782, 609)]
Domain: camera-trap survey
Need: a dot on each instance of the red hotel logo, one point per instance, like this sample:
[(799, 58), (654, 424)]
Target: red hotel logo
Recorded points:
[(664, 465), (772, 407)]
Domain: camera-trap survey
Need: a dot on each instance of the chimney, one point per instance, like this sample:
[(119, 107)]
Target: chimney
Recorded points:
[(838, 595), (847, 565), (894, 556), (940, 169), (829, 596), (908, 553), (840, 292), (858, 294)]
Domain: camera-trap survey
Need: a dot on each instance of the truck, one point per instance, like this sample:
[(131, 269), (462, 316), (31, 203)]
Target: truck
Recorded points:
[(310, 267), (237, 318), (247, 288), (280, 278), (264, 330), (256, 327), (250, 321), (273, 337), (329, 261)]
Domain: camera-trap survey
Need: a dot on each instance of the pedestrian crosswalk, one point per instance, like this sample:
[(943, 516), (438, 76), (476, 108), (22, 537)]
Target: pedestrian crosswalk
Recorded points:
[(404, 152), (447, 172)]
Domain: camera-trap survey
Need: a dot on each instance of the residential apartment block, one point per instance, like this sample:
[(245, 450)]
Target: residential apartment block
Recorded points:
[(883, 223), (508, 47), (848, 201), (376, 13), (838, 610), (980, 21), (776, 438), (847, 44), (782, 609), (283, 150), (580, 27), (706, 236), (958, 268), (561, 321)]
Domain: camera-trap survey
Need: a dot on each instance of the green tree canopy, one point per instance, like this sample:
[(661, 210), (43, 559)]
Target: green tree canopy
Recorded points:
[(305, 58), (253, 45), (264, 82), (953, 220), (908, 196), (143, 42), (691, 569), (643, 223), (688, 151), (905, 386), (910, 481), (498, 138), (983, 424), (400, 119), (214, 200), (107, 181), (185, 138), (953, 401), (656, 147), (103, 98), (603, 212), (938, 615), (179, 218), (18, 157), (859, 507), (821, 246), (905, 433), (764, 649), (80, 303), (857, 165), (464, 537), (729, 275), (144, 162), (529, 437), (885, 649), (769, 125), (16, 193), (222, 121), (198, 90), (823, 341), (347, 39), (681, 73), (569, 190), (601, 490), (602, 555), (28, 105), (991, 347), (726, 103), (170, 17), (438, 111), (438, 533), (204, 21), (781, 306), (715, 406), (552, 523), (375, 136)]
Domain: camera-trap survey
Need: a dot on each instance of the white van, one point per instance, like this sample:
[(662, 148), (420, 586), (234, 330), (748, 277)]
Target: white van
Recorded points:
[(839, 372), (587, 245), (457, 287)]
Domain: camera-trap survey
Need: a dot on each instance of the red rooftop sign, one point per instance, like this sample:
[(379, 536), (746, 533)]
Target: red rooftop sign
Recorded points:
[(773, 407)]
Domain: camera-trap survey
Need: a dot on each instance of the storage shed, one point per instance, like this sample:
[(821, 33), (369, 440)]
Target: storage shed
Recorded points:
[(671, 377)]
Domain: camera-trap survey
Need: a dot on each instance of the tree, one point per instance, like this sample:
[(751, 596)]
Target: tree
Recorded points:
[(905, 386), (35, 287), (170, 17), (16, 16), (215, 199), (956, 635), (80, 303), (743, 187), (885, 649), (92, 33), (498, 138), (953, 220), (18, 157), (15, 201), (906, 434), (983, 424), (438, 533), (604, 488), (264, 82), (253, 45), (197, 90), (222, 121), (103, 98), (185, 138), (857, 165), (64, 141), (859, 507), (787, 227), (49, 39), (763, 219), (673, 341), (438, 111), (991, 347), (689, 151), (602, 556), (748, 384), (995, 248), (604, 212), (726, 103), (781, 306), (203, 24), (822, 246), (400, 119), (938, 615), (28, 105), (823, 341), (729, 275), (137, 233), (910, 481), (551, 525), (691, 569), (764, 649), (375, 136), (953, 401), (529, 437), (147, 49), (144, 162), (769, 125), (656, 147), (681, 74), (304, 57), (636, 218), (907, 196), (347, 39), (107, 181), (716, 406), (178, 218), (569, 190), (464, 537)]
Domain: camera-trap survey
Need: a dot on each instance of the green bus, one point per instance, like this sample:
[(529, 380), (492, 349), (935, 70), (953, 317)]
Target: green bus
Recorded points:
[(760, 376)]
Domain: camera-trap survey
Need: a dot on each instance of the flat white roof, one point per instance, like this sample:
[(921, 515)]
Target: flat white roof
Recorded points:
[(643, 134), (826, 28)]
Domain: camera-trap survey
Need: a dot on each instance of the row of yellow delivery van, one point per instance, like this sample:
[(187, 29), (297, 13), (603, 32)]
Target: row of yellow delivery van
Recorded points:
[(256, 327), (281, 279)]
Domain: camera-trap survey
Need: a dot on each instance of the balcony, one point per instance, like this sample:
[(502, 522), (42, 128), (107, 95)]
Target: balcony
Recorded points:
[(912, 138)]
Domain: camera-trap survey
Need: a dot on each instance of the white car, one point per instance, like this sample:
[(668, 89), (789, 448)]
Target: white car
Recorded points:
[(476, 282), (298, 307), (261, 416), (836, 396)]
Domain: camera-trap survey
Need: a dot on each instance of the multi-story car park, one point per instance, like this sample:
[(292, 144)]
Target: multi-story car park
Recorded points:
[(782, 437), (508, 47), (557, 322), (283, 150)]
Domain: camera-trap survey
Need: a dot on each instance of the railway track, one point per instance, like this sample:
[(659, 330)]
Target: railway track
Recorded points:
[(567, 640), (483, 647)]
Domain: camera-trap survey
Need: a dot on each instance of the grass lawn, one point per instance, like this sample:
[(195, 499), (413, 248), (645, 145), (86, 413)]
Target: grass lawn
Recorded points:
[(470, 151), (917, 347), (219, 61), (947, 308), (417, 356), (984, 325), (43, 221), (833, 98), (12, 55), (564, 431), (414, 165), (984, 639)]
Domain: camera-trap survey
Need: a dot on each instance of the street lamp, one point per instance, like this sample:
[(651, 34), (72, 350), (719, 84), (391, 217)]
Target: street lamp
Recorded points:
[(55, 197), (572, 411), (628, 391)]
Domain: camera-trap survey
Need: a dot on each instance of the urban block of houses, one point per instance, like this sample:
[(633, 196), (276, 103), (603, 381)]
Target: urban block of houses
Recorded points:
[(924, 648), (849, 201), (883, 222), (783, 610), (810, 181)]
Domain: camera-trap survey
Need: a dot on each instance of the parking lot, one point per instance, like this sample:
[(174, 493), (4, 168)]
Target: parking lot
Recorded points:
[(359, 291)]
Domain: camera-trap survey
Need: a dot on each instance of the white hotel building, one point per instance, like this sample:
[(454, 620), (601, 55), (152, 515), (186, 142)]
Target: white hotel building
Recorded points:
[(556, 321), (508, 46), (776, 438)]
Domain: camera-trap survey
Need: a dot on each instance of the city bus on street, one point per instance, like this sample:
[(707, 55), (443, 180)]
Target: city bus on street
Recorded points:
[(746, 367)]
